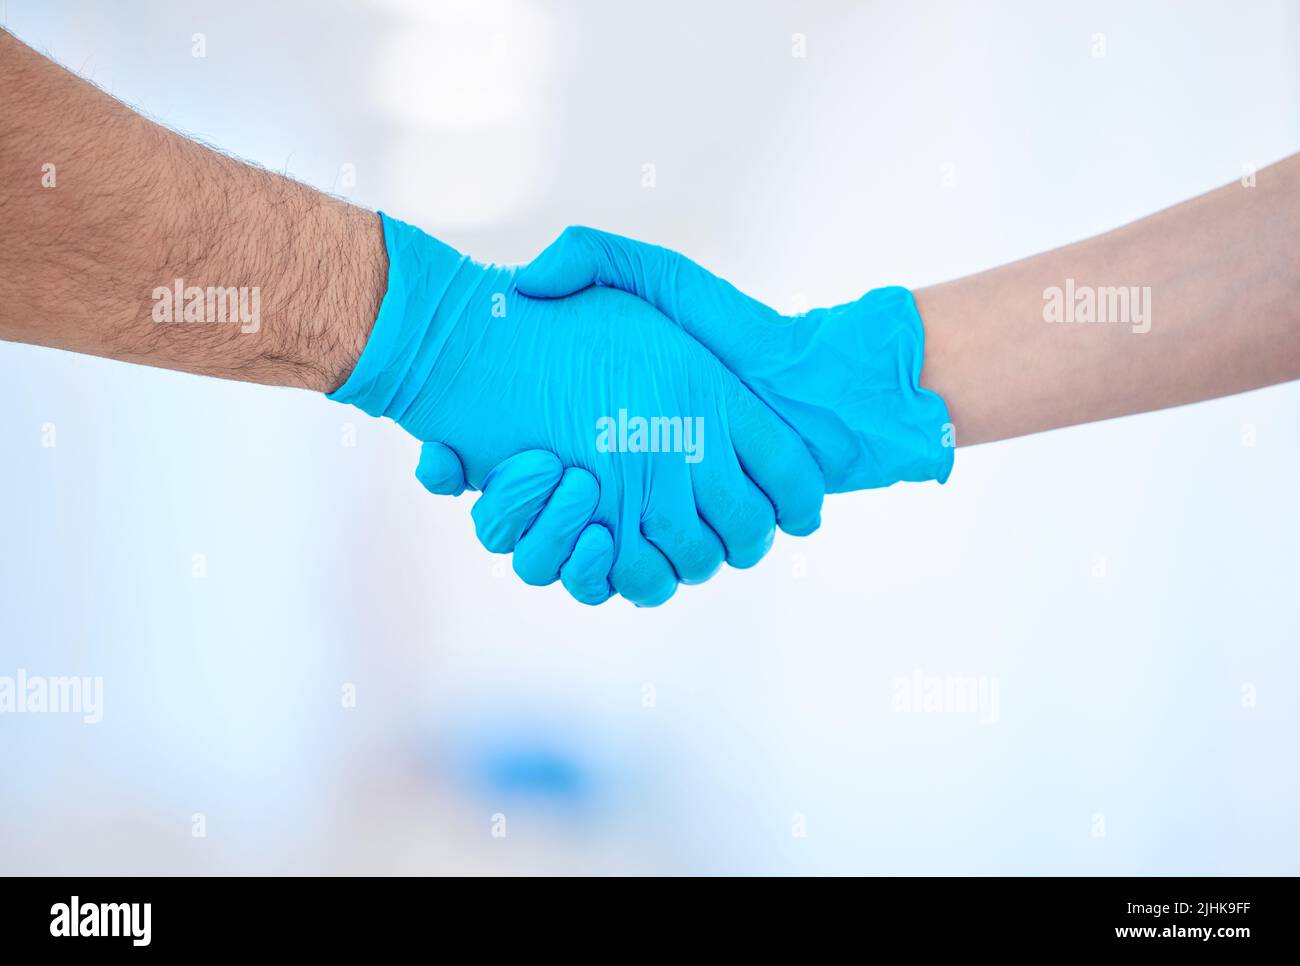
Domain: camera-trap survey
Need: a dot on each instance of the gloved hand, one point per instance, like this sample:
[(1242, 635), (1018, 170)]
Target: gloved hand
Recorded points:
[(605, 384), (847, 379)]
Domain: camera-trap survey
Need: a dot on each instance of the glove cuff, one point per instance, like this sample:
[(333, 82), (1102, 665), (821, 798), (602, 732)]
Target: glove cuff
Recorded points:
[(428, 282), (903, 431), (927, 413)]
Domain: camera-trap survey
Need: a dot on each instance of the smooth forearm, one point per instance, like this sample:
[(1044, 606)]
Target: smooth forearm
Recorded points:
[(105, 216), (1217, 279)]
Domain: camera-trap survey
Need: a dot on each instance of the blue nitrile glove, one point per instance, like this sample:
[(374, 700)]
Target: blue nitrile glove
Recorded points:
[(847, 379), (460, 360)]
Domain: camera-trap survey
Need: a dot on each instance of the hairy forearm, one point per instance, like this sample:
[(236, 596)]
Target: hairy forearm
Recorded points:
[(105, 217), (1217, 279)]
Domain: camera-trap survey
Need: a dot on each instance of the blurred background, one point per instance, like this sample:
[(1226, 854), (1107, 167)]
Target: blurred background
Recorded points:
[(309, 664)]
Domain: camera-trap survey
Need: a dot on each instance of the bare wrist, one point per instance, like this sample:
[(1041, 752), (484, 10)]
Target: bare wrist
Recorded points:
[(358, 278)]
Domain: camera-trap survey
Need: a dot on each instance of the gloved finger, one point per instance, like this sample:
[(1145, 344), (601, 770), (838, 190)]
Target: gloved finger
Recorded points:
[(513, 494), (641, 573), (550, 541), (674, 527), (690, 545), (585, 575), (711, 309), (776, 459), (440, 471), (736, 510)]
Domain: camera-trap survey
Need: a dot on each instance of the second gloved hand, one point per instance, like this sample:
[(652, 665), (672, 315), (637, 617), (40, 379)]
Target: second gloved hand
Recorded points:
[(846, 378)]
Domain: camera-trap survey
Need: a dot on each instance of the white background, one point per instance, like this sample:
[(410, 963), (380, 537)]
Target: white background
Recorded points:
[(1127, 585)]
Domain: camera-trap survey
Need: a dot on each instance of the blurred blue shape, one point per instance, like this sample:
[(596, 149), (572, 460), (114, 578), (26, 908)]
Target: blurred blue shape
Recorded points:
[(529, 768), (526, 758)]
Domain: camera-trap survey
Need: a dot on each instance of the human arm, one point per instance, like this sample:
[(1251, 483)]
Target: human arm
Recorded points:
[(101, 208), (1217, 279)]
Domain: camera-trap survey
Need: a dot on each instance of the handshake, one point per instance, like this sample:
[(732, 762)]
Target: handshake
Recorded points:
[(632, 420)]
